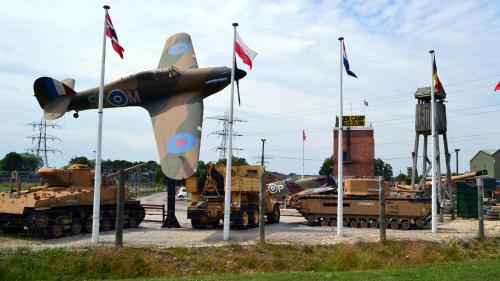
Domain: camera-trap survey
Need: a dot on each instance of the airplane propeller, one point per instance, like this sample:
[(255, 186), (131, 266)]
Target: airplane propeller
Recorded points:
[(239, 73)]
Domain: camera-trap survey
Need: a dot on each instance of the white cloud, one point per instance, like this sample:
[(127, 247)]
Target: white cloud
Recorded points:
[(294, 83)]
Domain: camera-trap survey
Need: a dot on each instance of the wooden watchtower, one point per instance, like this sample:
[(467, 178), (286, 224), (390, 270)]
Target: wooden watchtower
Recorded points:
[(423, 127)]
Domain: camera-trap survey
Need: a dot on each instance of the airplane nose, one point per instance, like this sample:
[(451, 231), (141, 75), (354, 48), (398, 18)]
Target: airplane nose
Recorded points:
[(239, 74)]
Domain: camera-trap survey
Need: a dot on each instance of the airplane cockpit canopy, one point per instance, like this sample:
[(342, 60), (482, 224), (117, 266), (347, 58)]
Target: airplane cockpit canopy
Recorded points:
[(166, 72)]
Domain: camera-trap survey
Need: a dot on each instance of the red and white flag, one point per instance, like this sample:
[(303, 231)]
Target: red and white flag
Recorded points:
[(303, 135), (243, 51), (497, 87), (111, 33)]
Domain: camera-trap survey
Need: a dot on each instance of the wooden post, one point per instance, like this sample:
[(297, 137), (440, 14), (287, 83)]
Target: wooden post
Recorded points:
[(381, 200), (480, 218), (120, 202)]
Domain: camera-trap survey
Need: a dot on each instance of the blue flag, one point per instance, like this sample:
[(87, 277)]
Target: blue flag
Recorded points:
[(346, 62)]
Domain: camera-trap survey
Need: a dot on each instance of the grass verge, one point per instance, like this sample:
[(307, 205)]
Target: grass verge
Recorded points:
[(111, 263)]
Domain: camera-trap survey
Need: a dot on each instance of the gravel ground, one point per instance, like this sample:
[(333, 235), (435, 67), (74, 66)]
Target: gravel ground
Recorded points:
[(291, 229)]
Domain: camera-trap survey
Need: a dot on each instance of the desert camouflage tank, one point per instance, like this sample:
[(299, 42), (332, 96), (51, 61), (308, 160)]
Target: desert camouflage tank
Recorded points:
[(64, 205), (361, 206)]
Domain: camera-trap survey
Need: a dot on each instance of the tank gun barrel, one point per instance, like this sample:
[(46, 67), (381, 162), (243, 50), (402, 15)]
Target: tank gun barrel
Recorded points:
[(129, 169), (462, 177)]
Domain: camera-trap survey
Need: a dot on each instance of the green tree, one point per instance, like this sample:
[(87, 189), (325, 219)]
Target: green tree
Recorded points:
[(11, 162), (79, 160), (31, 162), (401, 178), (237, 161), (383, 169), (327, 167)]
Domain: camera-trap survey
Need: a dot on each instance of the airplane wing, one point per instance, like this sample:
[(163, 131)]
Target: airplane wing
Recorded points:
[(178, 52), (177, 124)]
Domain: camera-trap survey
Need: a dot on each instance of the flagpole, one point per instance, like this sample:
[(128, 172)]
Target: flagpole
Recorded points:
[(340, 156), (434, 147), (303, 142), (229, 160), (97, 181)]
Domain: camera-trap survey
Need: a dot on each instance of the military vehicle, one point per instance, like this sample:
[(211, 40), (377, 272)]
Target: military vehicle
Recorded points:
[(405, 208), (361, 206), (64, 204), (207, 205)]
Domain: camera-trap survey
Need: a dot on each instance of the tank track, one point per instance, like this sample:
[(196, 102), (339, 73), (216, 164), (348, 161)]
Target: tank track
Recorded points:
[(67, 221), (363, 221)]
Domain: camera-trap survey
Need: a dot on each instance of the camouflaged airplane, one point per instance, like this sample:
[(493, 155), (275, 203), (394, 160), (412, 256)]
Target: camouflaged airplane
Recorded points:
[(172, 93)]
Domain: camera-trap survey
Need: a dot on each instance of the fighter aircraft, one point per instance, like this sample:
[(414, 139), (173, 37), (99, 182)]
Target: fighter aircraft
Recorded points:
[(172, 93)]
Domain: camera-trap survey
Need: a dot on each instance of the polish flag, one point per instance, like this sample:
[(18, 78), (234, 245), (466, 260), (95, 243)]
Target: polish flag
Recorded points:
[(497, 87), (245, 53)]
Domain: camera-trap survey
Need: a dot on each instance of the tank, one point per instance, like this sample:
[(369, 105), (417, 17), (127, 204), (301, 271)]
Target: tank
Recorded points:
[(207, 203), (361, 206), (63, 206)]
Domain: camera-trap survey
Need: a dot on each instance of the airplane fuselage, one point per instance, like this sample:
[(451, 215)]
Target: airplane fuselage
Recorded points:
[(147, 86)]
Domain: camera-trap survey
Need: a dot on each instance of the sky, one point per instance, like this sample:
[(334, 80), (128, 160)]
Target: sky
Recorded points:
[(293, 86)]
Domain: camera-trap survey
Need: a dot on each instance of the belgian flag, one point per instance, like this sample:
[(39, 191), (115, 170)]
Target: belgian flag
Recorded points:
[(437, 84)]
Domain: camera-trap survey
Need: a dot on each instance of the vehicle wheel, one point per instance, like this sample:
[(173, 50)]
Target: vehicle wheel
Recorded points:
[(88, 225), (196, 223), (254, 218), (243, 220), (180, 196), (346, 222), (106, 225), (311, 219), (274, 217), (419, 222), (405, 225), (76, 227), (333, 222), (56, 230), (354, 223), (373, 223), (394, 224), (324, 222), (363, 224), (132, 222)]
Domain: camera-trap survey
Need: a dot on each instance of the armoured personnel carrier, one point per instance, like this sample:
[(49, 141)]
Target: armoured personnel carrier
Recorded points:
[(64, 204), (207, 204), (361, 206)]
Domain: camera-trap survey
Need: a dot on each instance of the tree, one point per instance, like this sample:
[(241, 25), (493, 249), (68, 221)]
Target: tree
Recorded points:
[(31, 162), (237, 161), (14, 161), (79, 160), (327, 167), (401, 178), (383, 169)]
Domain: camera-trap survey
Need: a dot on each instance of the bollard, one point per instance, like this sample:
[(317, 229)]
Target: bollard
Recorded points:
[(381, 200), (480, 217), (120, 202)]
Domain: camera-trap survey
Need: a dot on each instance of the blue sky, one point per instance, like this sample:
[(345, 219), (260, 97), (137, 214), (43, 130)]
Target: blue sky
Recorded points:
[(294, 82)]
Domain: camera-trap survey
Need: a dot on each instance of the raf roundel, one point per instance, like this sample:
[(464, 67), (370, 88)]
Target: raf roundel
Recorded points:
[(178, 48), (180, 143), (117, 98), (273, 188)]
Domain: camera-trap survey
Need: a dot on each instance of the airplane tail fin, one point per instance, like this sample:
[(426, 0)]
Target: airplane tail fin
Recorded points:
[(54, 96)]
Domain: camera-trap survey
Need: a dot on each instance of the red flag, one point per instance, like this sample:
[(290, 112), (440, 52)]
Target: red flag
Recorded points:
[(111, 33), (303, 135), (497, 87), (243, 51)]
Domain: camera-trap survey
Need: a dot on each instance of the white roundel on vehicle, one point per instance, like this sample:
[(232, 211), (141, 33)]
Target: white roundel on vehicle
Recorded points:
[(273, 188)]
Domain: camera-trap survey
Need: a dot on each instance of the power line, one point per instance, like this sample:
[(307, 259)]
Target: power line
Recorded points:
[(223, 134), (40, 137)]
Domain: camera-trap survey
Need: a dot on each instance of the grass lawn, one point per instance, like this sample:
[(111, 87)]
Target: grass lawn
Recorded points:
[(393, 260), (480, 270)]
